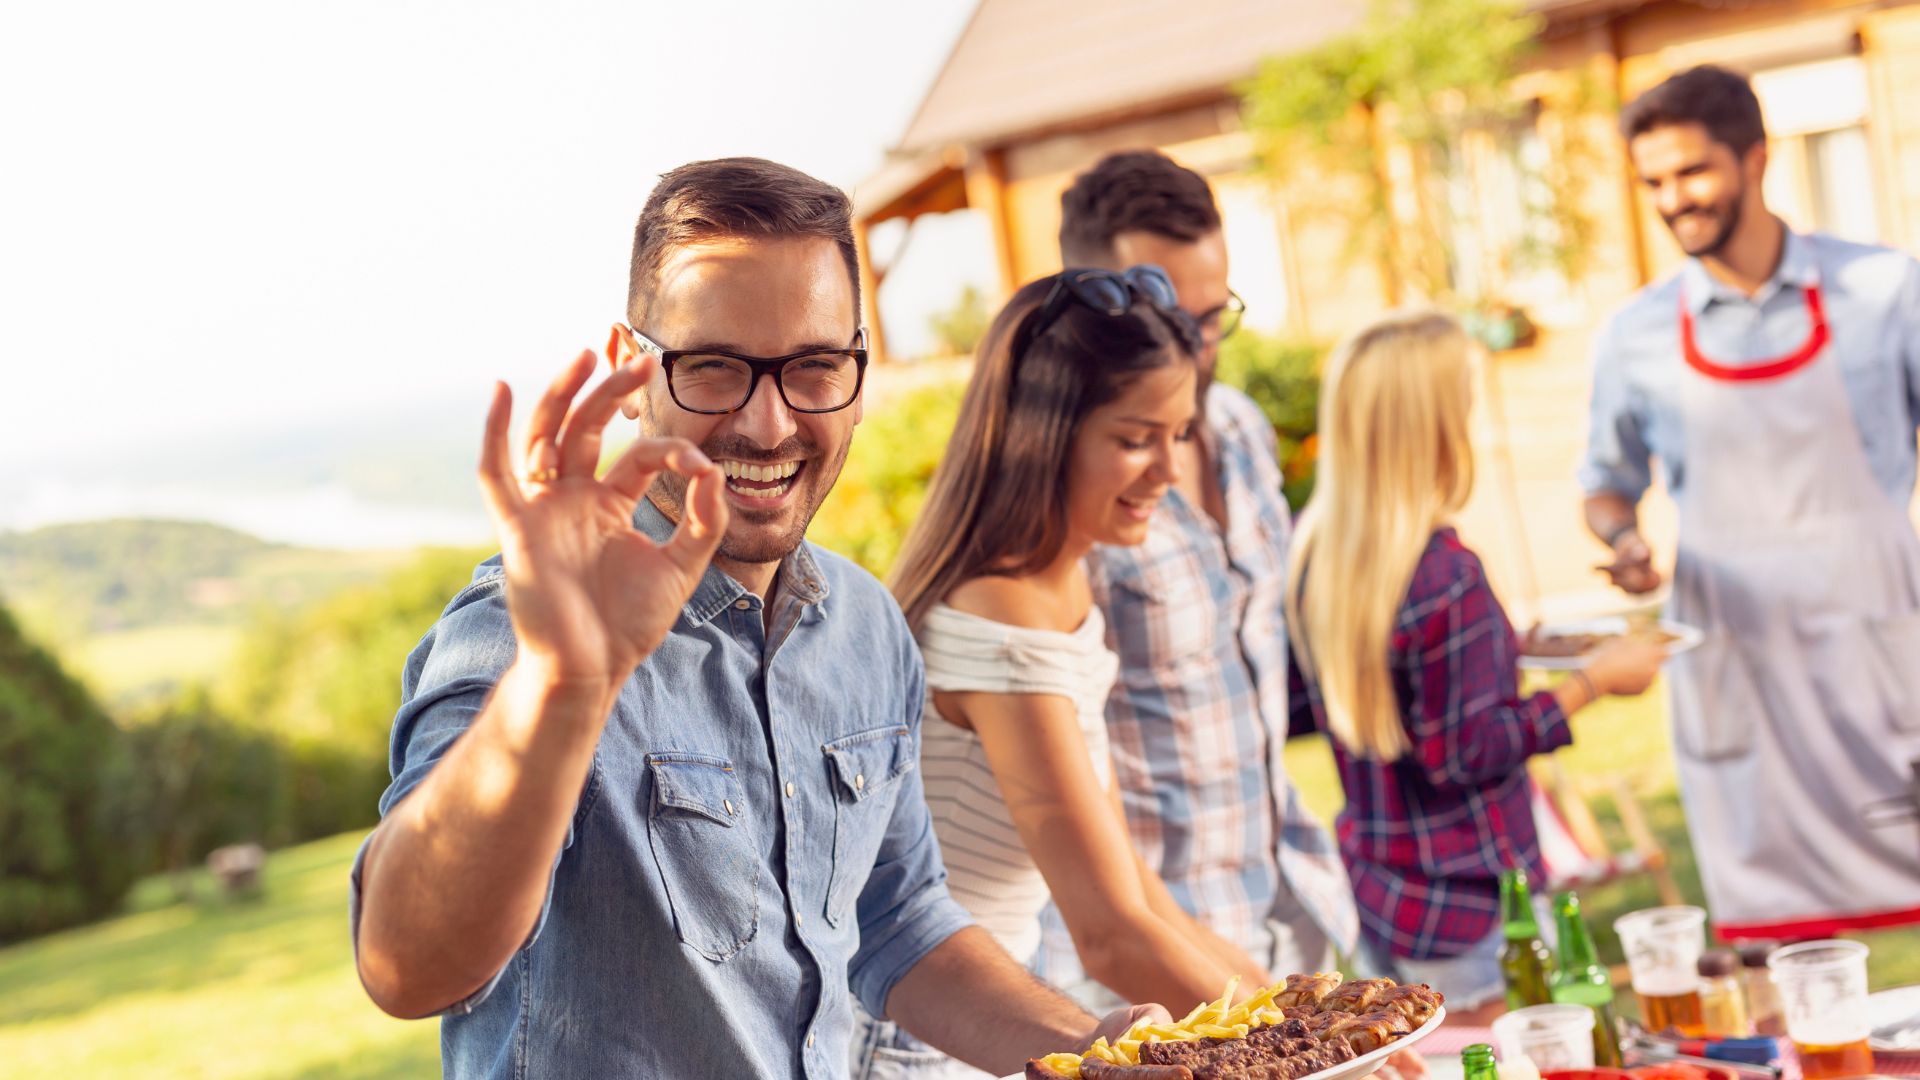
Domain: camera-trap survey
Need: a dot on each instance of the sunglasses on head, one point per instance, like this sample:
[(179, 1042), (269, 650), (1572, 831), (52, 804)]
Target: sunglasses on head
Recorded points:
[(1109, 292)]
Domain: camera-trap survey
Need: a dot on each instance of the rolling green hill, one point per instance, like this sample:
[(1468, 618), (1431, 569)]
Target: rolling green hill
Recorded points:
[(139, 606)]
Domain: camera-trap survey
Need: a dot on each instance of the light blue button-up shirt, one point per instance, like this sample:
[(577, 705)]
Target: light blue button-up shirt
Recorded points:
[(750, 844), (1872, 297)]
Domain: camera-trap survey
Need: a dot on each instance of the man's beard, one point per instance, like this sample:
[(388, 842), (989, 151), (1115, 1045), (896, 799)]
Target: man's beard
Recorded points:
[(817, 477), (1726, 216)]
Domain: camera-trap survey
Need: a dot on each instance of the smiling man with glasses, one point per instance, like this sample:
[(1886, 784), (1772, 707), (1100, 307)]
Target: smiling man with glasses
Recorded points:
[(656, 807)]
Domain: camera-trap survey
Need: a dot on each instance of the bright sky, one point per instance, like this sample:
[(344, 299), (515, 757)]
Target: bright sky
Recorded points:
[(257, 216)]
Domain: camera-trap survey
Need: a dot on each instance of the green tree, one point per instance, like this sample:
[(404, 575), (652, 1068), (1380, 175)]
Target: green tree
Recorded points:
[(1423, 74), (960, 328), (203, 782), (68, 839), (326, 680)]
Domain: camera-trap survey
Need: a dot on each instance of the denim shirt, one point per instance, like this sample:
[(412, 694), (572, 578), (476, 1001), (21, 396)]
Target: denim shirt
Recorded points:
[(751, 841), (1872, 298)]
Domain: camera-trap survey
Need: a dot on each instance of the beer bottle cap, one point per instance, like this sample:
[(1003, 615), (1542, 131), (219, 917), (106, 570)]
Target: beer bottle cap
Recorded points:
[(1754, 954), (1717, 963)]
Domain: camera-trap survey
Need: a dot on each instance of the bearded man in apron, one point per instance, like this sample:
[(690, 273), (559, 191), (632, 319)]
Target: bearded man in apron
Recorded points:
[(1776, 377)]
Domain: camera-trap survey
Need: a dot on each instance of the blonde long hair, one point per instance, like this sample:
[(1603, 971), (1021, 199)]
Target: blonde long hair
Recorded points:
[(1396, 461)]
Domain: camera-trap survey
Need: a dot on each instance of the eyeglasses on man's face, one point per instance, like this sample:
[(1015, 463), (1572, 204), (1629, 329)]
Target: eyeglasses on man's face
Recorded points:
[(1221, 320), (714, 381)]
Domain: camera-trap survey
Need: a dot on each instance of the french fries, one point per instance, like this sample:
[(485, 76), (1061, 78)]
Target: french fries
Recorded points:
[(1218, 1019)]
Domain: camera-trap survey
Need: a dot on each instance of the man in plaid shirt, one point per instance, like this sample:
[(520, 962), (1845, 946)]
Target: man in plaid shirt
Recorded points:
[(1198, 717)]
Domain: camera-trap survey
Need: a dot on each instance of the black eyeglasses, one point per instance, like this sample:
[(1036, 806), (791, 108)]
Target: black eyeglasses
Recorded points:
[(716, 381), (1109, 292), (1221, 320)]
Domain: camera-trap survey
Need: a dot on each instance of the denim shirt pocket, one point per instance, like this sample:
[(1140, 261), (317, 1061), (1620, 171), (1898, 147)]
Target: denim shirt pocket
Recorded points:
[(704, 847), (865, 768)]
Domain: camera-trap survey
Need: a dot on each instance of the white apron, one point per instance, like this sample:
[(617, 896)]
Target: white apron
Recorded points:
[(1802, 706)]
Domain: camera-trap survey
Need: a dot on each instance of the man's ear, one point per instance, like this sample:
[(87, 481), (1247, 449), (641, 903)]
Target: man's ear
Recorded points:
[(1756, 162), (621, 351)]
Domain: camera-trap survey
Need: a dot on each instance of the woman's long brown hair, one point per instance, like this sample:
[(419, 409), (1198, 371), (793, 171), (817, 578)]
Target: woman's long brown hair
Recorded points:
[(999, 497)]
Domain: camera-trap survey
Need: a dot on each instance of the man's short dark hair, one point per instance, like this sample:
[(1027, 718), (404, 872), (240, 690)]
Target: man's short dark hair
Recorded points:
[(735, 197), (1719, 100), (1134, 190)]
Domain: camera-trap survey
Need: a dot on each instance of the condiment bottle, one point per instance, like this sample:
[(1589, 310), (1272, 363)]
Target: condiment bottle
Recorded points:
[(1723, 1000), (1763, 998)]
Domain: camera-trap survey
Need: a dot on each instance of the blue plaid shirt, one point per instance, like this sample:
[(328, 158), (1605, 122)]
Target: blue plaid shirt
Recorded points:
[(1198, 717)]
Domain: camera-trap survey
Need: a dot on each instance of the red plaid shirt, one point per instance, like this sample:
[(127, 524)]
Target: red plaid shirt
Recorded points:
[(1425, 837)]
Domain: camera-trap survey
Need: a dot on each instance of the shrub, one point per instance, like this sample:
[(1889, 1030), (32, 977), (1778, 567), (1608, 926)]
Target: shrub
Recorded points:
[(326, 681), (1283, 378), (203, 782), (958, 329), (879, 493), (68, 839)]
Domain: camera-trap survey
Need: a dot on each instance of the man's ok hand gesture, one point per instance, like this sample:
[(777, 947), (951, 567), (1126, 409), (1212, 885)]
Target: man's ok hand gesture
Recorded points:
[(590, 596)]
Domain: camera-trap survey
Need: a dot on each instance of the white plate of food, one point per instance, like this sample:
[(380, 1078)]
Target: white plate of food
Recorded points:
[(1567, 646), (1895, 1018), (1312, 1027)]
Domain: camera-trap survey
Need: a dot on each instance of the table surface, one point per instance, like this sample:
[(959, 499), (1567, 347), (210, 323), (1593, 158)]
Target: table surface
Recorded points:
[(1442, 1050)]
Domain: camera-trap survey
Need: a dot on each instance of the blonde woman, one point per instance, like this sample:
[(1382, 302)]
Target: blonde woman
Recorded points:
[(1405, 658)]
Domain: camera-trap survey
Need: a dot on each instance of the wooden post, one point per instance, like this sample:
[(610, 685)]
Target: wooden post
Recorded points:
[(986, 179), (870, 279)]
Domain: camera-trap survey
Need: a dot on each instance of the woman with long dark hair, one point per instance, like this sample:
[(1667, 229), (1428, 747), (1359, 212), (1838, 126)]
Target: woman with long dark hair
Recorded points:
[(1065, 440)]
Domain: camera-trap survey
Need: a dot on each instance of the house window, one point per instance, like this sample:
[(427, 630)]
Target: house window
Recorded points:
[(1820, 172)]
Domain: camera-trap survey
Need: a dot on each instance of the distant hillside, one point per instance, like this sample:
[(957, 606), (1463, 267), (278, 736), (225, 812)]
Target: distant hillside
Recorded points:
[(138, 605)]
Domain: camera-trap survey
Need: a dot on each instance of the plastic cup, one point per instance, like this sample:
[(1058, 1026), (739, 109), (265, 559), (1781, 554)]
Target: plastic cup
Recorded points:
[(1551, 1036), (1663, 947), (1823, 992)]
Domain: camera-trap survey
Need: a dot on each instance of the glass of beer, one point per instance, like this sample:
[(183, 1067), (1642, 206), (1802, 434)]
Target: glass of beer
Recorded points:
[(1663, 947), (1823, 991), (1551, 1036)]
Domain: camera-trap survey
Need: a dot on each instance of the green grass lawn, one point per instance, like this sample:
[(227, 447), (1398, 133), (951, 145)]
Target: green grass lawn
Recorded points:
[(214, 990)]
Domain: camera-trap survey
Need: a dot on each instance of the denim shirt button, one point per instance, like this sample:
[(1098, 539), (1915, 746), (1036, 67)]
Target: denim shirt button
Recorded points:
[(743, 603), (789, 789), (860, 782), (799, 919), (809, 1040)]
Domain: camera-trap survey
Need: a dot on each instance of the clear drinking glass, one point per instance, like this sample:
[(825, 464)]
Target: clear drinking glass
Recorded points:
[(1663, 947), (1823, 991), (1551, 1036)]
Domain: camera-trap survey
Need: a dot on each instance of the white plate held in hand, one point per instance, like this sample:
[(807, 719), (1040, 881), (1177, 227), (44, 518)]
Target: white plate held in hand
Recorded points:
[(1365, 1063), (1684, 638)]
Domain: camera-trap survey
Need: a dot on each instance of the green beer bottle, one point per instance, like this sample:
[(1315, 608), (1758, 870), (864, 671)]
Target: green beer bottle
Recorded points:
[(1526, 960), (1476, 1063), (1582, 980)]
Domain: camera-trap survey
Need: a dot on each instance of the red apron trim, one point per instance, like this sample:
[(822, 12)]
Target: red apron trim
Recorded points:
[(1817, 339), (1820, 926)]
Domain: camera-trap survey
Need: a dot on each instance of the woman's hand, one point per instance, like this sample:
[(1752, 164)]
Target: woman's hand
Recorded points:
[(1625, 666)]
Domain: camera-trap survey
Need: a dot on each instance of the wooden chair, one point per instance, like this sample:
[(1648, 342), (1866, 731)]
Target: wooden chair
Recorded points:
[(1578, 854)]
